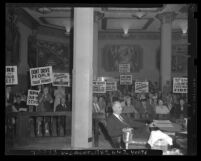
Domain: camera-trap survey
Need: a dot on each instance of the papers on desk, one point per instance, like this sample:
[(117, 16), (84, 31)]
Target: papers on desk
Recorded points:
[(162, 123), (22, 109)]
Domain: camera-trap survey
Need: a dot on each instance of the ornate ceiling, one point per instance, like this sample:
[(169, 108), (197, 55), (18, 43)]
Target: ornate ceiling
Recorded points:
[(113, 19)]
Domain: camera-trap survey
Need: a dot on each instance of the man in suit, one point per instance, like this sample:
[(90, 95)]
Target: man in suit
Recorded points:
[(179, 110), (116, 122)]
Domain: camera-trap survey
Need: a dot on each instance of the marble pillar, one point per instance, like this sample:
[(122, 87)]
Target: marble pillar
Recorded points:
[(81, 136)]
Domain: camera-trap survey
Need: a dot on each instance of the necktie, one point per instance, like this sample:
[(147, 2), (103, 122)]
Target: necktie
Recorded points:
[(96, 107), (122, 120)]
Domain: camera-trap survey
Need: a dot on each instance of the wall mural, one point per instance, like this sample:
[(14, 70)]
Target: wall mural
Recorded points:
[(113, 55), (50, 54)]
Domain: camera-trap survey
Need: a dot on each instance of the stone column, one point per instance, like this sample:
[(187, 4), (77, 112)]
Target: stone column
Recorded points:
[(23, 66), (24, 34), (81, 136), (166, 19), (97, 17)]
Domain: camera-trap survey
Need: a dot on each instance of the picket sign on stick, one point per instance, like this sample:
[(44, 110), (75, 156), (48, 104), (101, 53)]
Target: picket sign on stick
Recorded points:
[(99, 87), (41, 75), (11, 75), (126, 80), (124, 68), (61, 79), (142, 87), (32, 98), (111, 86), (180, 85)]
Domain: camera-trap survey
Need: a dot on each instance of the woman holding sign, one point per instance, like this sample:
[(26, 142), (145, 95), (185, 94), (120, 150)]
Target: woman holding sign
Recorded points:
[(59, 94), (45, 105)]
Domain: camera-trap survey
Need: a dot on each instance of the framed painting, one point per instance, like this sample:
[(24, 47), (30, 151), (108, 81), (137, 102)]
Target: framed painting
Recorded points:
[(114, 55)]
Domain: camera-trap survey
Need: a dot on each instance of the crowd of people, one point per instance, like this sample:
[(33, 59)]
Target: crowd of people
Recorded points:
[(54, 99), (152, 104), (50, 99)]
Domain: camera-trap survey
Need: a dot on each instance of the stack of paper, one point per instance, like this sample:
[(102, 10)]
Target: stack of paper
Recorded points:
[(162, 123)]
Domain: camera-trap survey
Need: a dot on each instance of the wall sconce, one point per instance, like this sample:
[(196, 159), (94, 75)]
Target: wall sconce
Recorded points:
[(67, 28), (125, 34), (184, 30), (184, 27)]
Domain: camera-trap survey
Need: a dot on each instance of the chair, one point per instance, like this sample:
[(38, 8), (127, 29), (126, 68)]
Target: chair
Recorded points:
[(115, 142)]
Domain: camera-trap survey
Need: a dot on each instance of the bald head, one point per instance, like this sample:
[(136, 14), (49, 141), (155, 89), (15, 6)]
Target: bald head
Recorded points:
[(116, 107)]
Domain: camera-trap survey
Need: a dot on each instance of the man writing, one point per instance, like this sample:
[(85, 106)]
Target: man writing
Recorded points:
[(116, 122)]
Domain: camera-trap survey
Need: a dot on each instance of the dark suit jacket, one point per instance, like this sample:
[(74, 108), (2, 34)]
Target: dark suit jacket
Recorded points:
[(115, 126), (61, 108), (176, 111)]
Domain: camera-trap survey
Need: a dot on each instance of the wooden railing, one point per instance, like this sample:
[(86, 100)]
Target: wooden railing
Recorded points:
[(25, 123), (22, 129)]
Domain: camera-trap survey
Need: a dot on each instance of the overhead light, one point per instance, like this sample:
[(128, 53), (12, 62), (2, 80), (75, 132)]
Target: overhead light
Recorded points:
[(44, 10), (139, 14)]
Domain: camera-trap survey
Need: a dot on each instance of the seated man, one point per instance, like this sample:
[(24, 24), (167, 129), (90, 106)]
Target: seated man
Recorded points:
[(116, 122)]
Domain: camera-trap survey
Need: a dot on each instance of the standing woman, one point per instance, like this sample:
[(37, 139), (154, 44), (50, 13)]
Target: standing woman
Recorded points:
[(59, 94), (45, 105)]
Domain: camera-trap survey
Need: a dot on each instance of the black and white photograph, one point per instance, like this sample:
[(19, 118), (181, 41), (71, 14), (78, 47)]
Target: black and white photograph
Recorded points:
[(101, 80)]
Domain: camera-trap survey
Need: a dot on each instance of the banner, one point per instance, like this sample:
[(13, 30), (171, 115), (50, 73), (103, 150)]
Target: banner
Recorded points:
[(141, 87), (41, 75), (180, 85), (11, 75), (124, 68), (61, 79), (99, 87), (125, 79), (32, 98), (111, 86)]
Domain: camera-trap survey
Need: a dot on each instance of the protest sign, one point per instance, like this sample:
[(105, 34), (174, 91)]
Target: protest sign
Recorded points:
[(141, 87), (125, 79), (99, 87), (32, 98), (61, 79), (124, 68), (11, 75), (111, 86), (41, 75), (180, 85)]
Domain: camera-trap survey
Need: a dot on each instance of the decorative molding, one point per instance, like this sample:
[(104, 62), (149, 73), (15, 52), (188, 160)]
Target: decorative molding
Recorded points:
[(50, 31), (98, 16), (45, 22), (136, 7), (149, 22), (166, 17), (105, 21), (138, 36), (26, 19)]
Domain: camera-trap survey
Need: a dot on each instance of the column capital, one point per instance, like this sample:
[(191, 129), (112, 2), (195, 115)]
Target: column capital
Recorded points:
[(98, 16), (166, 17)]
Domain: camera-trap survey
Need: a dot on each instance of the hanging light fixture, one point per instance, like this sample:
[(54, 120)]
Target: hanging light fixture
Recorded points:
[(139, 14)]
